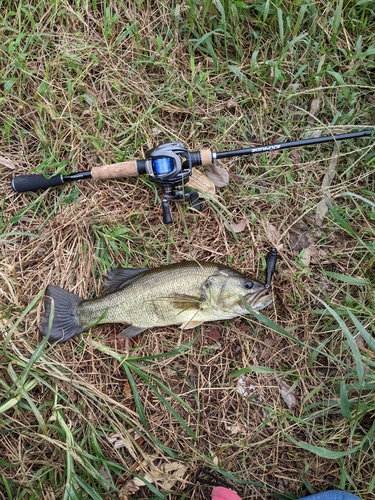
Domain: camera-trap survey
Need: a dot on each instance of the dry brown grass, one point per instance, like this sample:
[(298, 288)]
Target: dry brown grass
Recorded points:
[(83, 98)]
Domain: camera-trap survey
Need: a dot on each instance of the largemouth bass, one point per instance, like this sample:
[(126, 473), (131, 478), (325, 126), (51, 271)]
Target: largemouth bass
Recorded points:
[(185, 294)]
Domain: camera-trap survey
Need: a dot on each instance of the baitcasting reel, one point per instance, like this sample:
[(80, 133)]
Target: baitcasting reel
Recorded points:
[(170, 166)]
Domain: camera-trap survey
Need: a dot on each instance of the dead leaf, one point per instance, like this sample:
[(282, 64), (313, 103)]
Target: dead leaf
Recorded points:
[(322, 208), (198, 180), (314, 110), (213, 336), (306, 256), (129, 488), (239, 227), (274, 235), (127, 390), (286, 392), (117, 440), (313, 134), (7, 163), (163, 475), (235, 428), (298, 237), (219, 176), (245, 387), (230, 104), (107, 478), (244, 327)]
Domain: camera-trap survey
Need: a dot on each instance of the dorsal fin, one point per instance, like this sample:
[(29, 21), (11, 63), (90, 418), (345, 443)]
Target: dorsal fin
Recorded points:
[(119, 277)]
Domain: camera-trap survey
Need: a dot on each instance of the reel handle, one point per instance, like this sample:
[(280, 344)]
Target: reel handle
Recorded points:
[(167, 216), (194, 200)]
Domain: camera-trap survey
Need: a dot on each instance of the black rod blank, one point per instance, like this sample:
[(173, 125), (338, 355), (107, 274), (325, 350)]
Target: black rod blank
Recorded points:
[(292, 144)]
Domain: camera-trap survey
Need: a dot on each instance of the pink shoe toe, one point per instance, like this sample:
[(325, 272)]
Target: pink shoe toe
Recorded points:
[(221, 493)]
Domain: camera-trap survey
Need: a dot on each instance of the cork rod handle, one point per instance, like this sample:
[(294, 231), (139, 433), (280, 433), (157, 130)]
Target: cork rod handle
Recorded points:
[(115, 170)]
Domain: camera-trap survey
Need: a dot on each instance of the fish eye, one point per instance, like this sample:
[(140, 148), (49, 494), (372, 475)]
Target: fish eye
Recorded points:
[(249, 285)]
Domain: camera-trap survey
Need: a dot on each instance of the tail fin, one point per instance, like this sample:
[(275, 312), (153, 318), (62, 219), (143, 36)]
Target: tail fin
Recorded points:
[(60, 320)]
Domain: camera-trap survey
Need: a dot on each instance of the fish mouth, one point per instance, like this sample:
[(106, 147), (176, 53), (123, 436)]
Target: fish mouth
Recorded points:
[(259, 300)]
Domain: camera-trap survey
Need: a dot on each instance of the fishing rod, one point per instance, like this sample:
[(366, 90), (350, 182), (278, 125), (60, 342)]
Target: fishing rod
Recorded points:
[(169, 166)]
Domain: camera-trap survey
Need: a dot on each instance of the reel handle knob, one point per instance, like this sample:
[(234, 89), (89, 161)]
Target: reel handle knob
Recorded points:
[(167, 217), (194, 201)]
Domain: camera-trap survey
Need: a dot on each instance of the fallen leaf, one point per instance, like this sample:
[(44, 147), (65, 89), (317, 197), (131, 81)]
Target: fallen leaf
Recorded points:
[(107, 478), (235, 428), (286, 392), (314, 110), (306, 256), (313, 134), (198, 180), (219, 176), (244, 327), (213, 336), (164, 475), (127, 390), (245, 387), (7, 163), (117, 440), (239, 227), (298, 237), (230, 104), (274, 235), (128, 489)]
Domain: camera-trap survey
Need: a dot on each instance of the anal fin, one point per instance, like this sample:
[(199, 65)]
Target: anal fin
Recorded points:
[(190, 324), (131, 331)]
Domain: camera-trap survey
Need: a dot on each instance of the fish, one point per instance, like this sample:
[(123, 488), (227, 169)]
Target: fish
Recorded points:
[(186, 293)]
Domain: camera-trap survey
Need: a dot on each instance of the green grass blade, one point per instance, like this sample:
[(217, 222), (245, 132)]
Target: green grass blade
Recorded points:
[(370, 341), (344, 401), (251, 369), (321, 451), (349, 337), (348, 279)]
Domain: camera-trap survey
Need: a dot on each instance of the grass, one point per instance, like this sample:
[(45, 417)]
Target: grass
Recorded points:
[(86, 83)]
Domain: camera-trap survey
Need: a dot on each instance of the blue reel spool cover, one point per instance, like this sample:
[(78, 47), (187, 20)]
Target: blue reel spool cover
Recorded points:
[(163, 166)]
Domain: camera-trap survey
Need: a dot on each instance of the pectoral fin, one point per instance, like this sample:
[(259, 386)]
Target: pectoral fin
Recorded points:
[(131, 331), (184, 302), (119, 277), (190, 324)]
